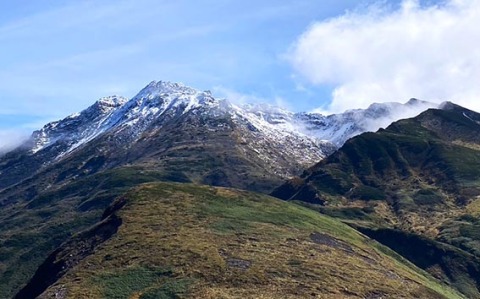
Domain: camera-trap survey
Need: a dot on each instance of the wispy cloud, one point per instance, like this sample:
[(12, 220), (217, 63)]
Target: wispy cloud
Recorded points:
[(71, 16), (235, 96), (239, 98), (10, 139), (379, 54)]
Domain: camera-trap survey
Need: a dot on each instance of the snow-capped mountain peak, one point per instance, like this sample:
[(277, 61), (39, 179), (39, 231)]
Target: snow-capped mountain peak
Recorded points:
[(78, 128), (263, 128), (112, 101), (158, 88), (159, 96)]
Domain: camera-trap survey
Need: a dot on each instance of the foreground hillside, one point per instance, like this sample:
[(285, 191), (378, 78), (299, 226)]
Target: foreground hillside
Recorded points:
[(167, 240), (414, 187), (32, 228)]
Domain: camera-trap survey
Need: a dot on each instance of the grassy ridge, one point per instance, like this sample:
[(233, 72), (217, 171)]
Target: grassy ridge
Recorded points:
[(189, 241)]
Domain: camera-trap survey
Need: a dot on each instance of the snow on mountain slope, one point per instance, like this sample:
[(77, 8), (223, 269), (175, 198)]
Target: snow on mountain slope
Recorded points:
[(272, 126), (338, 128), (307, 137), (79, 128), (157, 100)]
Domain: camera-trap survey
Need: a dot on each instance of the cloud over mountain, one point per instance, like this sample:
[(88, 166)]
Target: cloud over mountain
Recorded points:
[(382, 54), (11, 139)]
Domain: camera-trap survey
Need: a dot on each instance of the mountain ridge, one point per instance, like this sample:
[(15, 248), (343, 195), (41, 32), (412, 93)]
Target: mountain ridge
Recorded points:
[(279, 141), (160, 96), (415, 182)]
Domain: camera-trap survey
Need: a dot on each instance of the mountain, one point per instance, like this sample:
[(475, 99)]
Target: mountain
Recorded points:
[(168, 124), (169, 240), (162, 100), (412, 186), (186, 133), (61, 180)]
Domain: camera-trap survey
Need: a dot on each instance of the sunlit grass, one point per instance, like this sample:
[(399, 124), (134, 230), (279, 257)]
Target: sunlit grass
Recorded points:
[(188, 241)]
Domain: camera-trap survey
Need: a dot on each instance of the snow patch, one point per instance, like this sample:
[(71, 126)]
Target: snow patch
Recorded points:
[(307, 137)]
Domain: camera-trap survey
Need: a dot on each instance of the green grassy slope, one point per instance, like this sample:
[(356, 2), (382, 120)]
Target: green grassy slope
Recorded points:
[(168, 240), (419, 179), (31, 230)]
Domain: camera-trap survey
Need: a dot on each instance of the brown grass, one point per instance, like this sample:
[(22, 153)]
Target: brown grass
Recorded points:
[(223, 243)]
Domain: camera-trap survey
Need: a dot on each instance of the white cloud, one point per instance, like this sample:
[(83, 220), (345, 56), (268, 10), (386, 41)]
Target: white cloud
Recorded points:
[(243, 98), (235, 96), (9, 139), (380, 55)]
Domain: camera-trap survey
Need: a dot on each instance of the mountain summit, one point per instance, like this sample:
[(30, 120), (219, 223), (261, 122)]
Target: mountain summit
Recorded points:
[(169, 123), (161, 99)]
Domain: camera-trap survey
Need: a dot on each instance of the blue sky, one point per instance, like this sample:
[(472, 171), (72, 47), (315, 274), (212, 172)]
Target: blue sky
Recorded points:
[(58, 57)]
